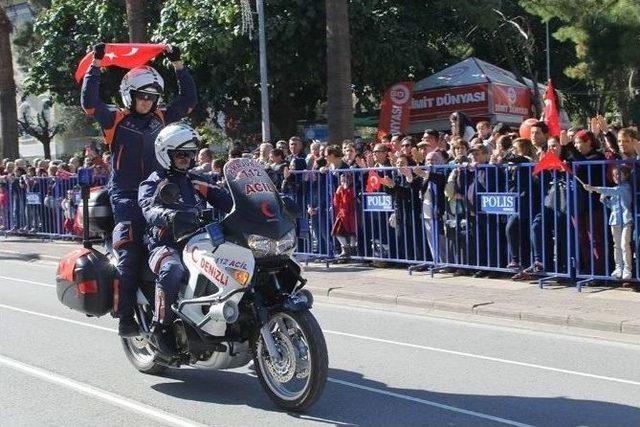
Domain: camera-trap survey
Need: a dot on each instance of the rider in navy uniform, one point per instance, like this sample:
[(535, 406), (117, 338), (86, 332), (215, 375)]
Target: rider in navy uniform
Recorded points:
[(130, 133), (175, 148)]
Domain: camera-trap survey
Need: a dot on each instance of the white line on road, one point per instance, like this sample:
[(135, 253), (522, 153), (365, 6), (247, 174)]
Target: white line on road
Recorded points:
[(430, 403), (48, 316), (416, 346), (330, 379), (86, 389), (492, 359), (48, 285)]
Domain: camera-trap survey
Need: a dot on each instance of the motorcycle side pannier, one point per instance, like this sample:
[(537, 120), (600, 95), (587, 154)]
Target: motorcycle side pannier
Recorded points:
[(85, 282), (100, 213)]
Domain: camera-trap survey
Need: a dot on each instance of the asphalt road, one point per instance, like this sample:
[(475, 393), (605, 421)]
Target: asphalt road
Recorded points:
[(58, 367)]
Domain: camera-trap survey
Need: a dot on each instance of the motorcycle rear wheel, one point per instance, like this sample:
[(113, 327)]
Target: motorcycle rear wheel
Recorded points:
[(140, 353), (305, 361)]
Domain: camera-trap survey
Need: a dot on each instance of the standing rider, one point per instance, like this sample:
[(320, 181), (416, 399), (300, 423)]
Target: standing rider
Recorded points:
[(176, 148), (130, 134)]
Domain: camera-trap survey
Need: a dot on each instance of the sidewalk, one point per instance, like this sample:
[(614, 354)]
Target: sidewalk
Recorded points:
[(599, 308)]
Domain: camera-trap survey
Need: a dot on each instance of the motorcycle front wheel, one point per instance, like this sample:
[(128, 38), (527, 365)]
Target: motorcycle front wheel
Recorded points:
[(296, 381)]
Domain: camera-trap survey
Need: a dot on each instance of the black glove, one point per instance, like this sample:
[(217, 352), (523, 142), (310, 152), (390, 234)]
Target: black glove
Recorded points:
[(174, 54), (98, 51), (181, 223)]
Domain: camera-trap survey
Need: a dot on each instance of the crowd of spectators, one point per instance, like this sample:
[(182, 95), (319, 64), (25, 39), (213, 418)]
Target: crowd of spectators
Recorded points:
[(434, 181), (41, 194)]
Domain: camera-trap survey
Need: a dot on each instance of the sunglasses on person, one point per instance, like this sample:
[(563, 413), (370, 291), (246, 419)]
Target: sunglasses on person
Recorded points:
[(145, 96), (183, 154)]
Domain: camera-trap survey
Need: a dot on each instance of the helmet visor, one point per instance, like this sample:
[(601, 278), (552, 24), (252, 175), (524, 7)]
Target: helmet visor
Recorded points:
[(146, 96), (183, 154)]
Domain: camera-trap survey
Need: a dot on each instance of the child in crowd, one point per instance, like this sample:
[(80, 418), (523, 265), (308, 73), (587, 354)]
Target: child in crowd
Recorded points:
[(619, 200), (344, 226), (4, 205), (69, 211)]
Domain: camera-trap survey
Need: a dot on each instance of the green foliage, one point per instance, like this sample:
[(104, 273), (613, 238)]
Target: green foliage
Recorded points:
[(605, 36), (392, 40)]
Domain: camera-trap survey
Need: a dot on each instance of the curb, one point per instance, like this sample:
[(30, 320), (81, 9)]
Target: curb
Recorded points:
[(485, 309)]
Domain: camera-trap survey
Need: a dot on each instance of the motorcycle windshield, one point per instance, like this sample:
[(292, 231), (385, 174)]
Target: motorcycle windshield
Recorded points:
[(257, 207)]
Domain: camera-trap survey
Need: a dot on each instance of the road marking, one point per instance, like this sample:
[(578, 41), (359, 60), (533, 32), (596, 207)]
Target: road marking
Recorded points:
[(430, 403), (489, 358), (128, 404), (28, 281), (403, 344), (86, 389), (63, 319)]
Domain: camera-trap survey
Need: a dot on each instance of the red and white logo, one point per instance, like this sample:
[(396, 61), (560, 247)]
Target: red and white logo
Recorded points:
[(512, 96), (400, 94)]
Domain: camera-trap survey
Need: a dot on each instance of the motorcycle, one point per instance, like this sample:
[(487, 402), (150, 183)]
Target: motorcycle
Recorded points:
[(244, 300)]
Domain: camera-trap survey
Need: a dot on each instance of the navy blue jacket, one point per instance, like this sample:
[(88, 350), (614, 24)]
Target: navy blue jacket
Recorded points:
[(195, 192), (131, 136)]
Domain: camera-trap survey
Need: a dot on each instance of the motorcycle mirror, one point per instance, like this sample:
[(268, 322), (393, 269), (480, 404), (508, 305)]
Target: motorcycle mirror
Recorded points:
[(169, 193)]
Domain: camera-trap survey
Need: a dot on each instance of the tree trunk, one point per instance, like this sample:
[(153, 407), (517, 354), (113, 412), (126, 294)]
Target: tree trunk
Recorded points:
[(339, 92), (8, 110), (136, 21)]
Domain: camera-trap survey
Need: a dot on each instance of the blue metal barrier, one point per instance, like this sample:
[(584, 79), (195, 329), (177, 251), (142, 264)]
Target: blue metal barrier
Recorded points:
[(41, 206), (496, 218)]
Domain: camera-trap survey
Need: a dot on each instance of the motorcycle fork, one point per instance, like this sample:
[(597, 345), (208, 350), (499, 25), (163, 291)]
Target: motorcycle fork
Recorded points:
[(262, 316)]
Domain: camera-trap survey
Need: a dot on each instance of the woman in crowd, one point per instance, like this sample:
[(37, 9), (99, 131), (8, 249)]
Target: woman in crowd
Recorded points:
[(589, 218)]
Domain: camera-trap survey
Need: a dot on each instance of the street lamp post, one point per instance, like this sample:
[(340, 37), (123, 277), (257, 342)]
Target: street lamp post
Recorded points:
[(548, 54), (264, 89)]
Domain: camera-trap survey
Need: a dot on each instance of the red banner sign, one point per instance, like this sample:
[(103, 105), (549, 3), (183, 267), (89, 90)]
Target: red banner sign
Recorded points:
[(511, 100), (394, 109), (435, 103)]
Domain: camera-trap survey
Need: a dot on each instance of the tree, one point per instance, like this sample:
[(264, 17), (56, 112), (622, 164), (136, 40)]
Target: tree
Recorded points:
[(390, 41), (600, 33), (41, 129), (136, 21), (8, 113), (339, 94)]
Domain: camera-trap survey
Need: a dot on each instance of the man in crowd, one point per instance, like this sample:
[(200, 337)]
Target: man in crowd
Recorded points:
[(264, 151), (539, 136), (484, 132), (205, 156)]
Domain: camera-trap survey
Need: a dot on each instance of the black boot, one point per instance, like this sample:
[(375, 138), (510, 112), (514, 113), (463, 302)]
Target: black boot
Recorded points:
[(164, 341), (127, 327)]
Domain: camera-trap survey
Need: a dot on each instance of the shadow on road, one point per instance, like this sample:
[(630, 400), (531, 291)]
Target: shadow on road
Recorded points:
[(343, 404)]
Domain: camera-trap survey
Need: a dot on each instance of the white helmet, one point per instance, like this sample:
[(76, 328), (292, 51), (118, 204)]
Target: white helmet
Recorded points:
[(176, 136), (142, 79)]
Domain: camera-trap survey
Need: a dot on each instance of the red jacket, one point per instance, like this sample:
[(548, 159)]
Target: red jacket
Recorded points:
[(344, 205)]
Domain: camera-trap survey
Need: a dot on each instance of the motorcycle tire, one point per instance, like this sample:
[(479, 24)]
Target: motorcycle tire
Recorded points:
[(318, 368), (137, 349), (146, 364)]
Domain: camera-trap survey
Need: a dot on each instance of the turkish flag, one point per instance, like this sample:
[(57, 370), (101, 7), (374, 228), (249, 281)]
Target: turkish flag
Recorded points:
[(373, 182), (125, 55), (551, 161), (551, 115)]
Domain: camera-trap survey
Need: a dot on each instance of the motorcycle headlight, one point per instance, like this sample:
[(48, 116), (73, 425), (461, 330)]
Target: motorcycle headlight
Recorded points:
[(263, 246)]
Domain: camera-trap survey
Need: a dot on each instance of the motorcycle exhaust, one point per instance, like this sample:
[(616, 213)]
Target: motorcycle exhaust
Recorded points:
[(226, 311)]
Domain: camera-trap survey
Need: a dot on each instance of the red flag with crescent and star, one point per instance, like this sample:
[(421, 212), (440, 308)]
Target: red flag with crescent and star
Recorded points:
[(373, 182), (551, 161), (125, 55), (551, 114)]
